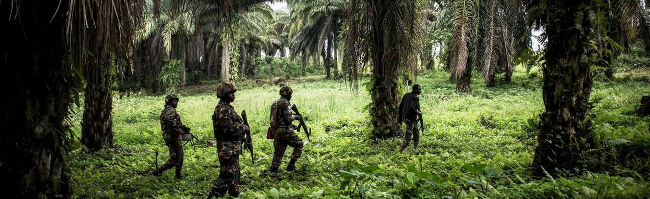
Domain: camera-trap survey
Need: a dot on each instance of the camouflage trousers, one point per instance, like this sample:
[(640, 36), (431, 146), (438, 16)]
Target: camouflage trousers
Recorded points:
[(411, 130), (284, 137), (175, 145), (229, 174)]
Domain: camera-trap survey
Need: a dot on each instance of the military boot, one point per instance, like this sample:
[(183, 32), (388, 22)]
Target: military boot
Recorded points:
[(292, 165), (213, 194), (157, 172)]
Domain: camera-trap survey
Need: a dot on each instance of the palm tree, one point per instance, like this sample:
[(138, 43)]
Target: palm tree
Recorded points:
[(316, 29), (498, 38), (569, 55), (459, 46), (101, 44), (352, 42), (165, 29), (392, 27), (38, 95), (45, 57), (223, 14), (260, 29)]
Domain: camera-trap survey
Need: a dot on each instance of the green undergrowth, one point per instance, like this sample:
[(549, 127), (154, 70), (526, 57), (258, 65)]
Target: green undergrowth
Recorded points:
[(460, 156)]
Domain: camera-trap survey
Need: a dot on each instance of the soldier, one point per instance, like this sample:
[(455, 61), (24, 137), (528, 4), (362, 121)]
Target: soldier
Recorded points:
[(283, 131), (229, 131), (409, 110), (170, 123)]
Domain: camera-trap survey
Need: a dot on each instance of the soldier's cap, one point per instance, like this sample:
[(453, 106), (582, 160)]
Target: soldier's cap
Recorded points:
[(169, 98), (416, 86), (286, 90), (224, 88)]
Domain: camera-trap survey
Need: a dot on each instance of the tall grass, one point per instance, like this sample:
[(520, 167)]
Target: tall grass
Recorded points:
[(454, 141)]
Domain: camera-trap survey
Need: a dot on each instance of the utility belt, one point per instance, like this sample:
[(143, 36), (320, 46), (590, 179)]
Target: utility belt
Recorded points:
[(229, 138), (270, 131)]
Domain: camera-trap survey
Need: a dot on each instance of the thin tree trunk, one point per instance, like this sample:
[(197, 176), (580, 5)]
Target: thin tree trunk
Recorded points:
[(177, 54), (351, 50), (328, 56), (244, 56), (566, 89), (336, 59), (303, 59), (37, 98), (156, 61), (225, 58)]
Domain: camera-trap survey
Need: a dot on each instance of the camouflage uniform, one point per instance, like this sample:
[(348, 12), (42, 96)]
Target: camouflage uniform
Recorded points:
[(229, 131), (284, 134), (409, 107), (170, 123), (411, 128)]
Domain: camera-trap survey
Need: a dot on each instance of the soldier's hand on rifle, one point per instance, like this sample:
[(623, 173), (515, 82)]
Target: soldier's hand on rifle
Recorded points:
[(246, 128), (249, 145), (296, 117)]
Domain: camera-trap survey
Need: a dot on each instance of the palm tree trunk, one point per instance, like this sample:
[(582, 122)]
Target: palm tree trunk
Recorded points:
[(458, 57), (328, 56), (157, 53), (351, 50), (429, 56), (37, 98), (336, 59), (97, 125), (177, 54), (225, 58), (566, 89), (390, 49), (303, 59), (244, 56)]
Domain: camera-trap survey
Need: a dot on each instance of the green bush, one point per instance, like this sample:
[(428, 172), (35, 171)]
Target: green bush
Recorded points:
[(281, 67), (170, 75)]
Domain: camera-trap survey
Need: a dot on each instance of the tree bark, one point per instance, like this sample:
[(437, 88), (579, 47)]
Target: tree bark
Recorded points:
[(336, 59), (97, 125), (225, 58), (566, 89), (303, 62), (244, 56), (156, 56), (36, 85), (390, 49), (328, 56), (351, 38), (193, 56)]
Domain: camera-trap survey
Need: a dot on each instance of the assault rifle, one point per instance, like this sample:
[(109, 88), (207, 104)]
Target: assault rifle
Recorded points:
[(421, 123), (249, 139), (302, 122)]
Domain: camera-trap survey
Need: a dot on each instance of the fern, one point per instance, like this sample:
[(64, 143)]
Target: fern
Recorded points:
[(616, 142)]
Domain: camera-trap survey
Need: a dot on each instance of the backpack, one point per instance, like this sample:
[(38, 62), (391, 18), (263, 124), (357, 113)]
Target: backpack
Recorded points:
[(273, 121)]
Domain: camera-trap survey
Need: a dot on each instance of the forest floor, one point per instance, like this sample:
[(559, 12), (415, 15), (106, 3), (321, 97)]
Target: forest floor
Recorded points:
[(460, 155)]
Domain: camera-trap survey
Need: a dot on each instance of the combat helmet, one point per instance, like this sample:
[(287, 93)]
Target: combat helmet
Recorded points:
[(285, 91), (170, 97), (224, 88)]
